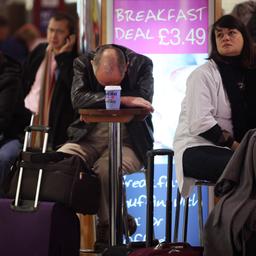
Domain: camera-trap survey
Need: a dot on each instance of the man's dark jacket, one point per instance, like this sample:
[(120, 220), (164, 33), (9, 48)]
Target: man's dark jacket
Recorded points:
[(61, 113), (11, 99), (88, 93)]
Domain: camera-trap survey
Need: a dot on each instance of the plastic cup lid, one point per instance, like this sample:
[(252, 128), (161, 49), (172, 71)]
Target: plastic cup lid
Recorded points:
[(112, 87)]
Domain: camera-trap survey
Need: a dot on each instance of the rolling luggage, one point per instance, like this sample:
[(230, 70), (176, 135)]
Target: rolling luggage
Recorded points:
[(50, 230), (132, 247), (37, 228), (66, 180), (165, 248)]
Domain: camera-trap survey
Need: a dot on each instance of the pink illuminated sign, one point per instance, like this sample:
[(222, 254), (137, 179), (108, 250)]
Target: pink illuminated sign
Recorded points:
[(162, 26)]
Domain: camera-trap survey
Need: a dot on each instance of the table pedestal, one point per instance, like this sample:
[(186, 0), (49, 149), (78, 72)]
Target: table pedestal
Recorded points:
[(115, 168), (114, 118)]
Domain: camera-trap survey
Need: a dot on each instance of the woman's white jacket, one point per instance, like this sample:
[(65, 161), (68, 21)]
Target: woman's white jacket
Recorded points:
[(205, 105)]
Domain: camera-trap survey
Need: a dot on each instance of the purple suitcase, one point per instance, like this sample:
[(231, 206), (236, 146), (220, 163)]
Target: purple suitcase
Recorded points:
[(33, 228), (50, 230)]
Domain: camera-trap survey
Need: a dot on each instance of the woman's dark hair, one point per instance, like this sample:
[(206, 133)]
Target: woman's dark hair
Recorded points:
[(229, 21)]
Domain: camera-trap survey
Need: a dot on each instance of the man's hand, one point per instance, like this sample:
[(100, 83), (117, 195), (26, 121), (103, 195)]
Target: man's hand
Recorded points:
[(130, 101), (67, 47)]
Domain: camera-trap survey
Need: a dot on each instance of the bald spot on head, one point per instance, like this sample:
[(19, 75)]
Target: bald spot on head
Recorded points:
[(107, 69)]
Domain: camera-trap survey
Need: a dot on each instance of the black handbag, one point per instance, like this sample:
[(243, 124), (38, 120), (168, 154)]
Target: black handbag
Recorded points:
[(66, 179)]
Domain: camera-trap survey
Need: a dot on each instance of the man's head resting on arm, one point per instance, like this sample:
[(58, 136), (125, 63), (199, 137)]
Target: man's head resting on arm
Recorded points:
[(109, 65)]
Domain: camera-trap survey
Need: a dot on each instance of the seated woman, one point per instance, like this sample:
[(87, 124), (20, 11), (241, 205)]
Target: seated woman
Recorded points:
[(11, 114), (216, 111)]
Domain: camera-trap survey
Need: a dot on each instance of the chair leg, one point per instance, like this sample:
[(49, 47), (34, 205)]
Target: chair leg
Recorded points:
[(177, 217), (200, 213), (125, 214), (185, 220), (119, 211), (185, 216)]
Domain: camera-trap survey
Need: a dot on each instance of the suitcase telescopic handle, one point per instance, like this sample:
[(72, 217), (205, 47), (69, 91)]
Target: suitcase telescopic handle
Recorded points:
[(160, 152), (150, 191), (28, 130)]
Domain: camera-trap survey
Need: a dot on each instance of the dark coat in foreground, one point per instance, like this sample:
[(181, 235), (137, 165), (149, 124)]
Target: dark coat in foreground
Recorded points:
[(231, 224)]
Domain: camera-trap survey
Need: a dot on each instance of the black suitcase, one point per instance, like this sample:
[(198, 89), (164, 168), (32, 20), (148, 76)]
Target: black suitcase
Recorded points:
[(150, 241), (150, 193), (166, 248), (37, 228)]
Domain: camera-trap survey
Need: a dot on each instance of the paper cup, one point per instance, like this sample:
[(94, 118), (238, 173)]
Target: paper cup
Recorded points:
[(112, 96)]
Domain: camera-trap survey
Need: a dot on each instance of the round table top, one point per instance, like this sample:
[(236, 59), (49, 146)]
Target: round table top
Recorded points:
[(117, 115)]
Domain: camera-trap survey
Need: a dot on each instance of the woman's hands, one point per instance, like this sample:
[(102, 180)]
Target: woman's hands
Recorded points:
[(227, 137), (234, 146)]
